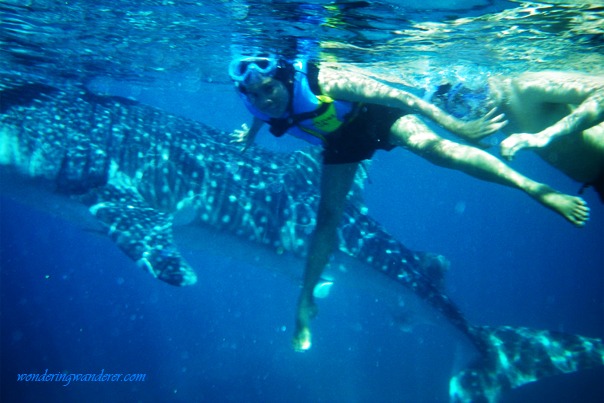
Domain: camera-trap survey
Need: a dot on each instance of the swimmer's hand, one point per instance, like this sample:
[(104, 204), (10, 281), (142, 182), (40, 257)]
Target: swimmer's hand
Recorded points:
[(475, 130), (307, 310), (242, 136)]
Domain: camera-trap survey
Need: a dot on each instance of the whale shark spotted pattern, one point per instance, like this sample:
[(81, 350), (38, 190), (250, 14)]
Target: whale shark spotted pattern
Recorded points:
[(139, 169)]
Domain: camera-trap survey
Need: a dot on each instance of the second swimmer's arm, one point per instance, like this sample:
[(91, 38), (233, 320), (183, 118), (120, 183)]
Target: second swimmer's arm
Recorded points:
[(589, 113)]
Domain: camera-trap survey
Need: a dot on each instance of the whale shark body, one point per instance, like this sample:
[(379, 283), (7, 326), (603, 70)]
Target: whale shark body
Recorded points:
[(139, 172)]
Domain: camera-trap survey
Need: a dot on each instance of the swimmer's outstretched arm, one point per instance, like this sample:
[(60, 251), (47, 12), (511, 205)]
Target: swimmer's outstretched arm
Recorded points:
[(354, 87)]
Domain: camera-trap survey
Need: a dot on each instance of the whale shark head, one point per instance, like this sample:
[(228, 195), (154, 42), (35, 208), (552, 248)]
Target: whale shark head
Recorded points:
[(140, 170)]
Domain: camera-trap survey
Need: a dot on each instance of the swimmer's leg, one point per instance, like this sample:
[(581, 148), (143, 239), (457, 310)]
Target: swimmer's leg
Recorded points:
[(410, 132), (336, 181)]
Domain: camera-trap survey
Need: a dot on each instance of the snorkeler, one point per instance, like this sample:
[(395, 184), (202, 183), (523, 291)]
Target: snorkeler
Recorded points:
[(558, 114), (352, 116)]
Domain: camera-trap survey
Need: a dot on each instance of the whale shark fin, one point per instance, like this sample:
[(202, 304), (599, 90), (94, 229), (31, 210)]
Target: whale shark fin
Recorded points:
[(517, 356), (142, 232)]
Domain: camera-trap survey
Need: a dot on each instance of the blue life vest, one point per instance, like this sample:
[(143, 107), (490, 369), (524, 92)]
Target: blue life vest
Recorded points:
[(310, 117)]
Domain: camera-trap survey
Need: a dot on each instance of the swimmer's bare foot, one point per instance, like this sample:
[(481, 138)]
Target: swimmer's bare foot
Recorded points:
[(302, 339), (307, 310), (516, 142), (574, 209)]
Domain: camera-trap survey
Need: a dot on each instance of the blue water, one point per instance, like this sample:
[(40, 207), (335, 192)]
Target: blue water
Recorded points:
[(72, 302)]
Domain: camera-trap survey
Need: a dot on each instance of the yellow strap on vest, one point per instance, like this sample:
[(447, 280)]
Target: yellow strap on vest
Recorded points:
[(328, 121)]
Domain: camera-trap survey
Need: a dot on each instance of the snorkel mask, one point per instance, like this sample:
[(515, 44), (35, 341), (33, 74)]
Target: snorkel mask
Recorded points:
[(250, 70)]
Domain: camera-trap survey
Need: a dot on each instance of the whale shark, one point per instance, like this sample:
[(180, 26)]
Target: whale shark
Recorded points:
[(141, 173)]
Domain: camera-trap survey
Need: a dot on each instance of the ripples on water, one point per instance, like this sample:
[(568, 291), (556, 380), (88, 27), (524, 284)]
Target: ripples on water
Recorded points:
[(147, 42)]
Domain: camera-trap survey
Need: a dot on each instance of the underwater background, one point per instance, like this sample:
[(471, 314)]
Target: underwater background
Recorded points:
[(72, 302)]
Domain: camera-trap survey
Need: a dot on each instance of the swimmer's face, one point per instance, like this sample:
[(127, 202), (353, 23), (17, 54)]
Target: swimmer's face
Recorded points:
[(269, 96)]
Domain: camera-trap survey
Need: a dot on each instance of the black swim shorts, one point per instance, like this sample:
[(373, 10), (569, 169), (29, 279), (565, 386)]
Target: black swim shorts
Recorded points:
[(358, 139), (597, 184)]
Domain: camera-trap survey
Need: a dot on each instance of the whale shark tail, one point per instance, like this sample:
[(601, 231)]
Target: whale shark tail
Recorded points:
[(516, 356)]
